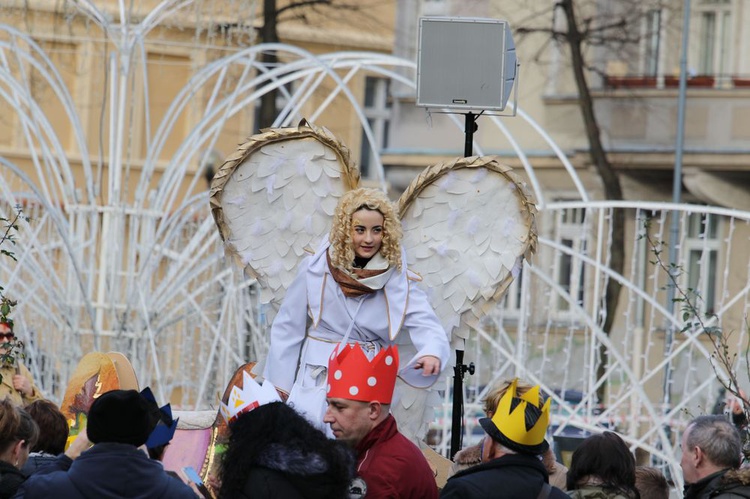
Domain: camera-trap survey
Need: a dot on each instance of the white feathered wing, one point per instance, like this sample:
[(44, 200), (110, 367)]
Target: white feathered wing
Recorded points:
[(274, 198), (468, 224)]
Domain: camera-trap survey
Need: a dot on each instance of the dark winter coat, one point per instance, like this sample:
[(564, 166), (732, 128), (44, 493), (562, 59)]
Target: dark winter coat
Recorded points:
[(10, 479), (597, 492), (288, 473), (513, 475), (392, 466), (107, 470), (471, 456), (36, 461), (727, 484)]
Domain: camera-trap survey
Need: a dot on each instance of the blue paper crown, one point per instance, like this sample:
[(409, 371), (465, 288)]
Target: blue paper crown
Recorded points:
[(165, 428)]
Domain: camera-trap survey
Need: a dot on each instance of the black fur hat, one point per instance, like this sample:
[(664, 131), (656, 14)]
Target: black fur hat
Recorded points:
[(121, 416)]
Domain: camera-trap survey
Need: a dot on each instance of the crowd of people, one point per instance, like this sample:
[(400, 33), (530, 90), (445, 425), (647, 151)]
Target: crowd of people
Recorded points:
[(275, 451), (325, 430)]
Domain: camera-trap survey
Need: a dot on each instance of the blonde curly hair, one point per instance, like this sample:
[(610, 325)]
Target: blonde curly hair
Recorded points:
[(342, 247)]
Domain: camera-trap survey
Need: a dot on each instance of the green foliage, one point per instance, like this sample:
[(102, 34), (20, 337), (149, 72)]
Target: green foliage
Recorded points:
[(12, 353), (11, 350)]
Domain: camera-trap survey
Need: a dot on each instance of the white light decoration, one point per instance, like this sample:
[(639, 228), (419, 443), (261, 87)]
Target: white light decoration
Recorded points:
[(135, 264)]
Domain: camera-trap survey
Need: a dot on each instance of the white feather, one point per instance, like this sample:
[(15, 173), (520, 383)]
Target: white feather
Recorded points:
[(453, 216), (246, 257), (285, 221), (517, 267), (473, 226), (269, 184), (479, 176), (237, 199)]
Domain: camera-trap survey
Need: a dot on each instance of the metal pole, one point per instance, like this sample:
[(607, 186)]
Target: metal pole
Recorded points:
[(458, 403), (674, 230), (459, 369), (469, 129)]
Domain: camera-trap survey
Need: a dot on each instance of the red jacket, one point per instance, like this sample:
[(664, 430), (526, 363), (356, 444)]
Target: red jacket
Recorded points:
[(392, 466)]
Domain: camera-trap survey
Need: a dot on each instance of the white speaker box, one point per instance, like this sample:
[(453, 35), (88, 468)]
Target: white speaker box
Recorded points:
[(465, 63)]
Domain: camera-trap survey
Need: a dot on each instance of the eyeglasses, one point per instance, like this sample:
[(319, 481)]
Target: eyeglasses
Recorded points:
[(7, 336)]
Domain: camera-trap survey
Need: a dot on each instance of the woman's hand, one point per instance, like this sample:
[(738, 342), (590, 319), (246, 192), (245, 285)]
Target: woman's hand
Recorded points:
[(429, 364)]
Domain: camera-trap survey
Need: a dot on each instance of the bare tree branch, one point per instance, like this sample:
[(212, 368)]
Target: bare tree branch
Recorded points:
[(302, 10), (610, 181), (299, 5)]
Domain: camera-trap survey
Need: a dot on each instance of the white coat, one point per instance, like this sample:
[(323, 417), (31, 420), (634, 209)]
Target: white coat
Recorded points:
[(315, 316)]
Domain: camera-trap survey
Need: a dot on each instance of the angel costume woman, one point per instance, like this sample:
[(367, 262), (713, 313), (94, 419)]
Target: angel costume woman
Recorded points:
[(356, 285)]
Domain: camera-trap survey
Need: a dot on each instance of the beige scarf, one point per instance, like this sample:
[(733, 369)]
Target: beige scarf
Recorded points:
[(351, 285)]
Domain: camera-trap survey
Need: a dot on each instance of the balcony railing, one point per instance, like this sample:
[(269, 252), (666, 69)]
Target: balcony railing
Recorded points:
[(671, 81)]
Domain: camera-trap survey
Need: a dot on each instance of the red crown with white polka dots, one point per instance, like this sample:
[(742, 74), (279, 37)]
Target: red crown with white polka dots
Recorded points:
[(352, 376)]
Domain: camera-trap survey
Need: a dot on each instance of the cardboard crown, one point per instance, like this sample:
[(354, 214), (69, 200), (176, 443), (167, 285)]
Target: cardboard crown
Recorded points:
[(352, 376), (512, 423), (165, 428), (247, 398)]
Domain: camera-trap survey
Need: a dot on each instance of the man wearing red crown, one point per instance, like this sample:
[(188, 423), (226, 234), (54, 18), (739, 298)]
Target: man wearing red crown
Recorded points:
[(511, 453), (359, 394)]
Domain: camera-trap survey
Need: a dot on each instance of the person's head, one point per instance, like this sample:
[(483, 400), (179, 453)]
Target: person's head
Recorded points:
[(359, 390), (518, 424), (6, 330), (121, 416), (53, 427), (352, 420), (651, 483), (365, 223), (492, 399), (496, 393), (6, 335), (273, 433), (18, 433), (603, 459), (709, 444)]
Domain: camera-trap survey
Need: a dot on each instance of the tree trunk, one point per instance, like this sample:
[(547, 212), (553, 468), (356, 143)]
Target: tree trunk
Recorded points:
[(268, 34), (610, 181)]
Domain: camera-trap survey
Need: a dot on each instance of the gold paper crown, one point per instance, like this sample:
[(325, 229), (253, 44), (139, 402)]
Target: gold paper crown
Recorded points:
[(512, 423), (247, 398)]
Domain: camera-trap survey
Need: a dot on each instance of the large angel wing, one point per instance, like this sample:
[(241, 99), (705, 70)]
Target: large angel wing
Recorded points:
[(467, 225), (275, 196)]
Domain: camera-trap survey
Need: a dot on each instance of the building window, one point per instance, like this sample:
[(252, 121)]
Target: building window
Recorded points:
[(514, 295), (282, 99), (377, 110), (714, 32), (570, 271), (702, 246), (652, 42)]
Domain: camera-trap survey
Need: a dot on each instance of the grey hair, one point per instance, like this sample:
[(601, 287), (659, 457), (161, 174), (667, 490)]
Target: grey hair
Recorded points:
[(717, 438)]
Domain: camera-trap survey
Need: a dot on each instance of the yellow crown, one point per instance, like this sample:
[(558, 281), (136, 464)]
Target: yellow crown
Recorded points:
[(512, 423)]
